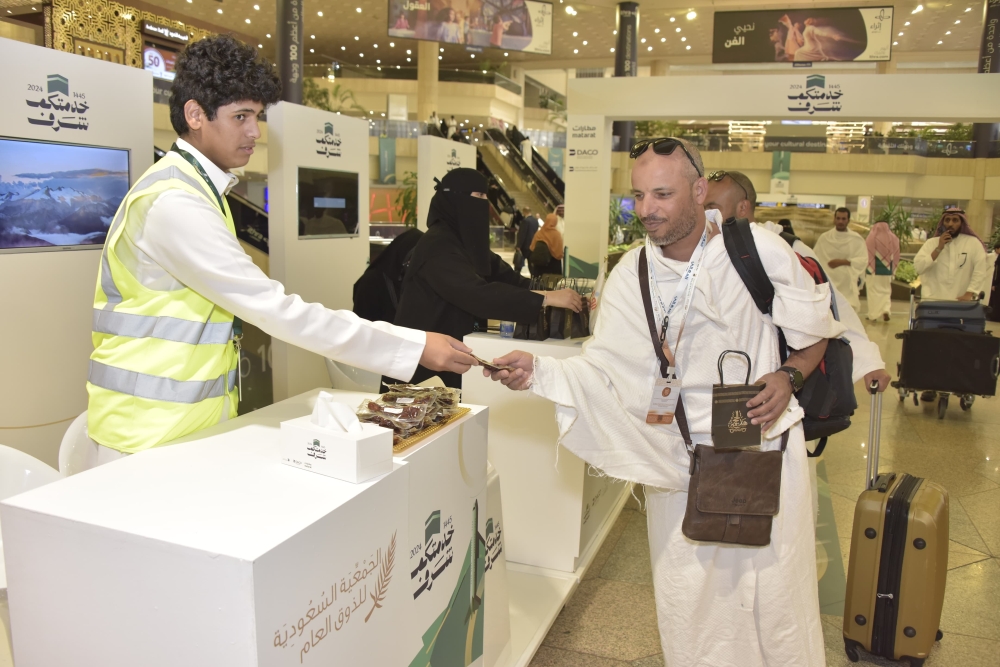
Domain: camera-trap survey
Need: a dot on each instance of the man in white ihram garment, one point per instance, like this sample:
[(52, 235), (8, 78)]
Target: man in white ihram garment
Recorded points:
[(844, 256), (718, 605), (952, 264)]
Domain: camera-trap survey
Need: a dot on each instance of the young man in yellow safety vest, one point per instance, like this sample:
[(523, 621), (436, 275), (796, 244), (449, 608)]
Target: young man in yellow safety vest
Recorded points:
[(175, 284)]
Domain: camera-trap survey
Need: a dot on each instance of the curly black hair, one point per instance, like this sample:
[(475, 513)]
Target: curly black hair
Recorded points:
[(217, 71)]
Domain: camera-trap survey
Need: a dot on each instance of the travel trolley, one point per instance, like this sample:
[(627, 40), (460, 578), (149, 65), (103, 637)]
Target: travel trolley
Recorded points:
[(947, 349), (899, 561)]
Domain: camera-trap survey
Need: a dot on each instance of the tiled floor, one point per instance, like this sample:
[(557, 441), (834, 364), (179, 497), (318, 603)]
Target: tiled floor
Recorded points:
[(611, 621)]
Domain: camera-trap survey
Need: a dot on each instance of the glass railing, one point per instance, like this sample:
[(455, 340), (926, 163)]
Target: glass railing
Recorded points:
[(396, 129), (862, 145), (346, 71), (546, 138)]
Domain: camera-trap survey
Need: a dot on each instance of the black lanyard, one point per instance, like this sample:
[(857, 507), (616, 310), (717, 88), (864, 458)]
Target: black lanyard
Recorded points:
[(193, 161)]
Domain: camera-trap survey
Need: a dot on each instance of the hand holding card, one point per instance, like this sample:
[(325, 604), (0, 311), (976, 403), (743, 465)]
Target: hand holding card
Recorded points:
[(493, 368)]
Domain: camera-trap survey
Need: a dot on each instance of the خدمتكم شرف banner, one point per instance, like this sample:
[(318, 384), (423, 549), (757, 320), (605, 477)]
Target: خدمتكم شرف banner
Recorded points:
[(803, 35), (514, 25)]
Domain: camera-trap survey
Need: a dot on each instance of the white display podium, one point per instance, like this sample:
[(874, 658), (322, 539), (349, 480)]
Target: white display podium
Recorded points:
[(553, 507), (212, 552)]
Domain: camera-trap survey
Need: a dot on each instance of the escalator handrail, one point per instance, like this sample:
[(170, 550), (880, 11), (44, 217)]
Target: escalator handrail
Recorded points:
[(483, 168), (547, 172), (545, 189)]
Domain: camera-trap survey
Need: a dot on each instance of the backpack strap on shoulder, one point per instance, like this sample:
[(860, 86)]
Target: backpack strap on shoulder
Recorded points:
[(743, 254)]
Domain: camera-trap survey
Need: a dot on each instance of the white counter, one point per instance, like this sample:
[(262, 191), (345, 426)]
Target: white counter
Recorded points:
[(211, 552), (554, 510)]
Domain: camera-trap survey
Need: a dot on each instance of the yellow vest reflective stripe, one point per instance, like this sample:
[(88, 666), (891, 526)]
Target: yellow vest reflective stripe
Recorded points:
[(163, 363)]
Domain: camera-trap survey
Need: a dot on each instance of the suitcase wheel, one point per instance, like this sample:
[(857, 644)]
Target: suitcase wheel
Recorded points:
[(967, 401), (914, 662), (939, 635), (942, 405), (851, 649), (916, 399)]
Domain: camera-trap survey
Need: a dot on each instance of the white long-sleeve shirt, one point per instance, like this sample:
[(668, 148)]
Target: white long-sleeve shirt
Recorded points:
[(959, 268), (184, 242)]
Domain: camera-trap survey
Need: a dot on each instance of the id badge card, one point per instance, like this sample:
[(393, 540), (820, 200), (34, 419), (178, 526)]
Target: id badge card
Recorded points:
[(663, 403)]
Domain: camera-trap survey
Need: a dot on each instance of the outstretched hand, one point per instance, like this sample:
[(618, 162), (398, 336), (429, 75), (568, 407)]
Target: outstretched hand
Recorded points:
[(444, 353), (518, 379)]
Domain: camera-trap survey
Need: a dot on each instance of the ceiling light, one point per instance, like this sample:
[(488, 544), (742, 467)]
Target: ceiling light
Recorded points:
[(312, 36), (657, 31), (409, 52), (268, 35), (473, 56), (570, 10), (968, 9), (441, 49), (614, 32), (947, 32), (397, 66), (672, 19), (574, 51), (691, 15), (392, 44), (895, 43), (260, 46), (612, 49), (684, 39), (906, 24), (407, 60), (688, 47), (440, 57), (343, 48), (484, 71), (940, 42), (504, 54), (361, 55), (480, 125), (663, 39), (356, 38), (378, 62), (248, 20), (919, 8), (900, 33), (649, 48), (575, 34), (677, 30), (219, 10), (319, 13), (257, 7), (643, 40), (359, 11), (312, 50), (379, 69), (957, 22), (585, 42), (374, 46)]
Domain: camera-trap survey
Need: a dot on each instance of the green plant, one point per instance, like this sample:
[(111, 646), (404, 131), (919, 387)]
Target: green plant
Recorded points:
[(406, 200), (905, 271), (647, 129), (623, 220), (898, 218), (336, 98), (959, 132)]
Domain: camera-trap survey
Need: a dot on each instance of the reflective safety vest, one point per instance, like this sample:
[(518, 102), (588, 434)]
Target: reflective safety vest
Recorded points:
[(163, 361)]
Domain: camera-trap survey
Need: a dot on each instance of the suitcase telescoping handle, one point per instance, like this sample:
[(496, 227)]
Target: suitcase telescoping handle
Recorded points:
[(874, 433)]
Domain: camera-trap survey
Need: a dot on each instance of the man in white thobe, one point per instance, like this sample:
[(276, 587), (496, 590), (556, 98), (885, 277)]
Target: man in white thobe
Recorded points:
[(844, 256), (718, 605), (952, 263), (883, 259)]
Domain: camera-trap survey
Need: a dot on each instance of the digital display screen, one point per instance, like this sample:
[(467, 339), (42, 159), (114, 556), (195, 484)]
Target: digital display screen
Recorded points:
[(328, 203), (159, 60), (511, 25), (805, 35), (58, 195)]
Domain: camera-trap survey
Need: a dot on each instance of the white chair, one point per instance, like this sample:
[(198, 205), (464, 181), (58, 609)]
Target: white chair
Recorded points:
[(349, 378), (77, 452), (20, 472)]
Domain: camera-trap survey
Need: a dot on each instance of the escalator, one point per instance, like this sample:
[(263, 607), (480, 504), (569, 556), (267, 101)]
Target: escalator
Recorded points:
[(539, 163), (540, 187)]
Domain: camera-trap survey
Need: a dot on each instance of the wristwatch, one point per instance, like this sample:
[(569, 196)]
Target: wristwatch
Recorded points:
[(795, 375)]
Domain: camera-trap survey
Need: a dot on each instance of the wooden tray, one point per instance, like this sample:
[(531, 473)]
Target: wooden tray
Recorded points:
[(430, 430)]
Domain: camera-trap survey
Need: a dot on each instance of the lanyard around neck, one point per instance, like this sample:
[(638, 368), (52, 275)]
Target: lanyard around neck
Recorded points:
[(193, 161), (685, 289)]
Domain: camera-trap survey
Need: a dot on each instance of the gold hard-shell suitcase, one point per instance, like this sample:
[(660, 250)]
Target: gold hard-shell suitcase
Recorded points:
[(899, 562)]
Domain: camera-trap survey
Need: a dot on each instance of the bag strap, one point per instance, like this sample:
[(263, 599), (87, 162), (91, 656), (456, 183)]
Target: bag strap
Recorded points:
[(743, 254)]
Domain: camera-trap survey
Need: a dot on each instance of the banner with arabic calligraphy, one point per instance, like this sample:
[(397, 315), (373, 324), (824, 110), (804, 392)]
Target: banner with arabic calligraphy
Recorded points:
[(803, 35), (511, 25)]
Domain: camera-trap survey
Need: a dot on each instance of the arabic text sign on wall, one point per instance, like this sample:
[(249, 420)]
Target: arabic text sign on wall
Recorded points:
[(328, 142), (54, 107), (166, 32), (815, 95), (803, 35)]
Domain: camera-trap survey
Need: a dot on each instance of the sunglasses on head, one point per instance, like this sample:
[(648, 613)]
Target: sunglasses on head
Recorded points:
[(662, 146), (720, 174)]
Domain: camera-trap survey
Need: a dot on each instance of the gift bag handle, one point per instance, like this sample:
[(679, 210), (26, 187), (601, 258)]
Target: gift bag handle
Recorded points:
[(741, 353)]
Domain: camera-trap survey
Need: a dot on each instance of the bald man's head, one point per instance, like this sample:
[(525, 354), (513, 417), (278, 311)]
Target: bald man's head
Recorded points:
[(732, 194)]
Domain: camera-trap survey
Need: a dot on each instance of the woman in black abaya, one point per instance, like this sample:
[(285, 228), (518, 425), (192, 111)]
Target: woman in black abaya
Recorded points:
[(454, 280)]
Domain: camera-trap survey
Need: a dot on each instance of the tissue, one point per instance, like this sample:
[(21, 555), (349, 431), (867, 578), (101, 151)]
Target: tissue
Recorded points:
[(330, 414)]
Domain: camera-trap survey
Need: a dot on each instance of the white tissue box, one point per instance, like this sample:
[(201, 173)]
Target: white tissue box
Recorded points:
[(352, 457)]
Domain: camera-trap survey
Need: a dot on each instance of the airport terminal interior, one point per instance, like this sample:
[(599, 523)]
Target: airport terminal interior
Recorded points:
[(829, 118)]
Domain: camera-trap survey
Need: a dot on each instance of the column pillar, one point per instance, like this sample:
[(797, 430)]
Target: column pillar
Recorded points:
[(886, 67), (660, 68), (979, 211), (985, 134), (626, 63), (288, 24), (427, 80)]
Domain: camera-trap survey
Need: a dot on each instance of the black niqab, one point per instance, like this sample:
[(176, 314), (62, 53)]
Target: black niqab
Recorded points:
[(455, 210)]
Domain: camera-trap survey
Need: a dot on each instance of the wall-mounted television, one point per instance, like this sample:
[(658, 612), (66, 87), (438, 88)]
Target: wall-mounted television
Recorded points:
[(55, 196), (159, 60), (328, 203), (511, 25)]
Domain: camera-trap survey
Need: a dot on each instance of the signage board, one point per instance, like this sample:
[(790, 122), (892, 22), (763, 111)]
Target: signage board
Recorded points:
[(803, 35), (511, 25)]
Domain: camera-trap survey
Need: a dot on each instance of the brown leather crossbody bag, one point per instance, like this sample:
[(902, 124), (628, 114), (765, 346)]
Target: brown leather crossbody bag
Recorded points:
[(734, 493)]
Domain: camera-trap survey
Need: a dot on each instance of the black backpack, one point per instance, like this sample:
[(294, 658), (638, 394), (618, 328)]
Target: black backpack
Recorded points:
[(828, 394), (541, 255)]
